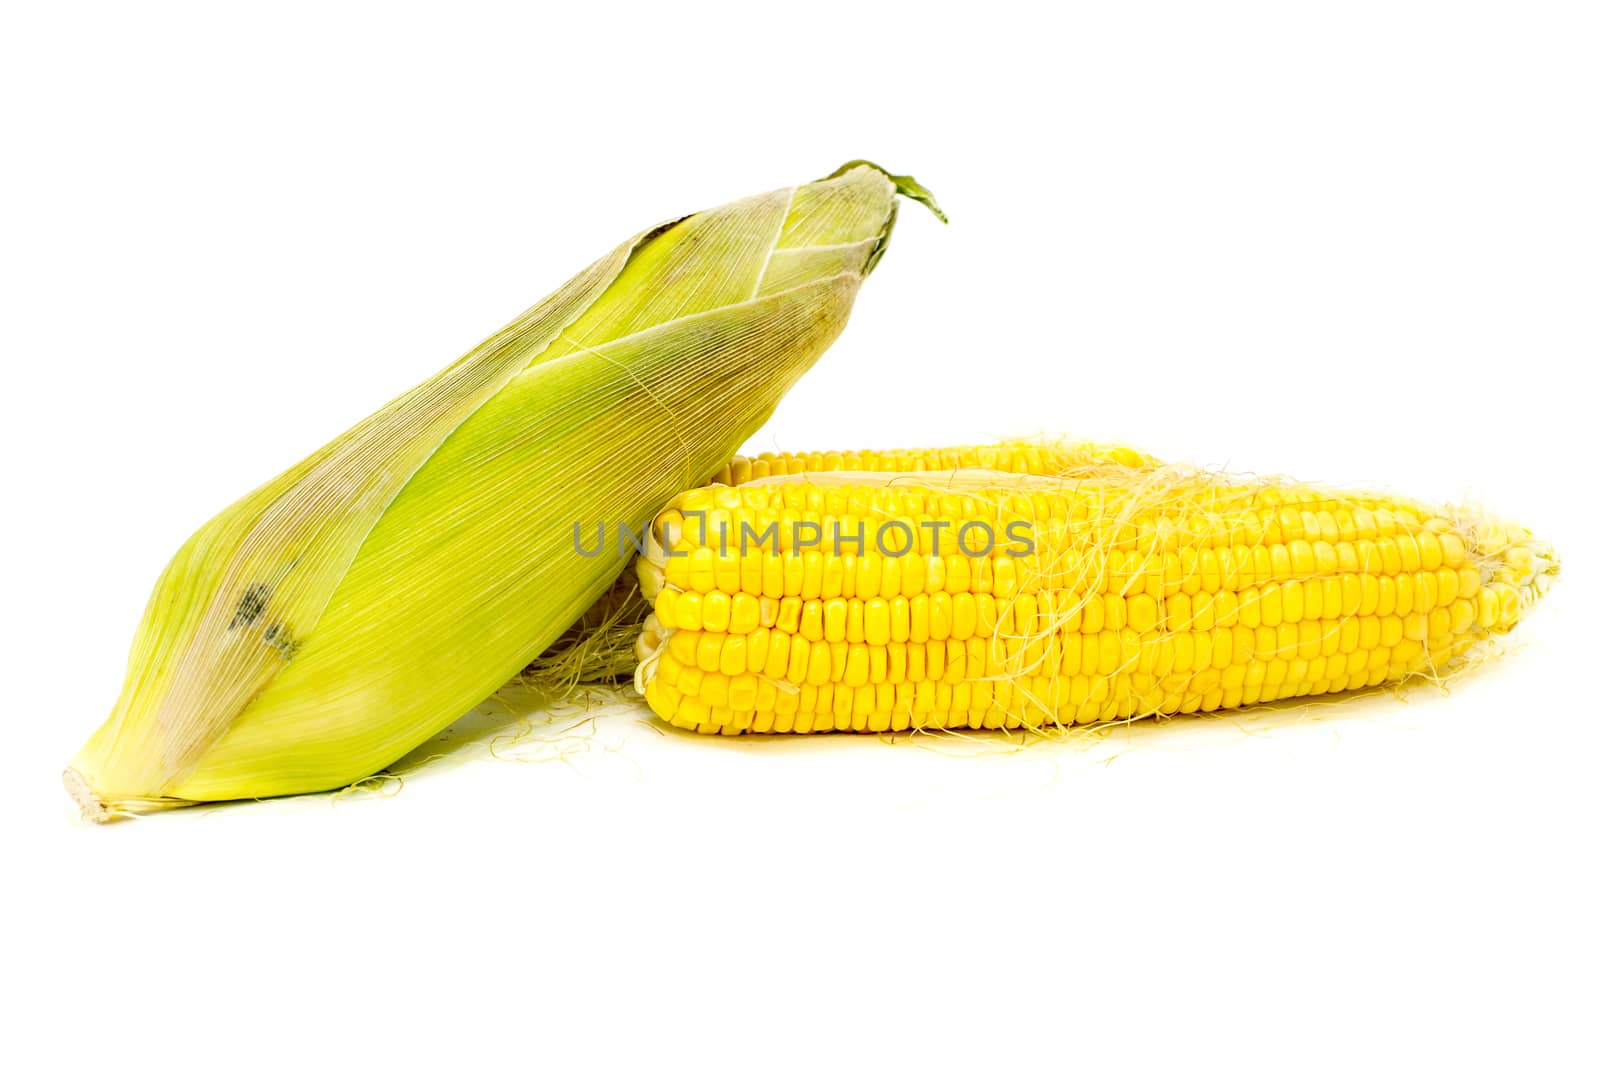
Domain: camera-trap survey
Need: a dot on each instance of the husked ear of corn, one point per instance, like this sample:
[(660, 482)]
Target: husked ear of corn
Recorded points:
[(883, 600), (336, 617)]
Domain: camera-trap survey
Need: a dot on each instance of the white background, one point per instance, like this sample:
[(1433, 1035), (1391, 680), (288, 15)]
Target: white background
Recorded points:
[(1352, 242)]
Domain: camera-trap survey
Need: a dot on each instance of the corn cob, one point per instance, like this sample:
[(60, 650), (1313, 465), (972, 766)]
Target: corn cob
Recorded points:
[(600, 647), (1141, 591), (336, 617)]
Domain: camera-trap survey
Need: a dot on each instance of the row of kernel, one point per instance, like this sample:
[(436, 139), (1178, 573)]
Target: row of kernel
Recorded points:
[(940, 615), (1191, 569), (755, 703), (690, 656), (1226, 517), (814, 575), (1324, 598), (880, 620), (1010, 458), (764, 707), (856, 528), (1231, 529), (768, 464), (833, 500), (1087, 503), (1047, 560)]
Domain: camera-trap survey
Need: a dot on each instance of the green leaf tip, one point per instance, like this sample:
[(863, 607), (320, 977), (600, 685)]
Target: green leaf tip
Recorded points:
[(904, 184)]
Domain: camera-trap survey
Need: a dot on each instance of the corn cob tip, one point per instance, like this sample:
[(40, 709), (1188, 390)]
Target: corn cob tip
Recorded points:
[(904, 184)]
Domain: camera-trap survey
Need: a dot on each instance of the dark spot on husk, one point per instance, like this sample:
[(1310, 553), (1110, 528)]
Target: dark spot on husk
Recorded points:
[(277, 635), (251, 605)]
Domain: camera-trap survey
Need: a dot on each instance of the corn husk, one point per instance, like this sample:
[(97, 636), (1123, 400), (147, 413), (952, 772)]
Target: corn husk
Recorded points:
[(336, 617)]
